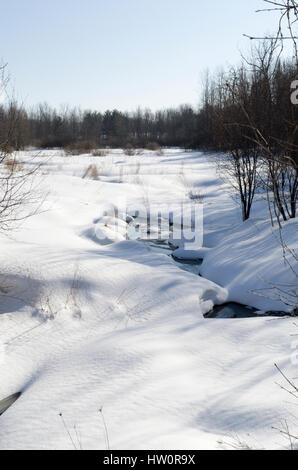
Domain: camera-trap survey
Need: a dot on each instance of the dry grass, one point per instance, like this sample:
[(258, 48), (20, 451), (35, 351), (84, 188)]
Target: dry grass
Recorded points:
[(46, 308), (72, 300), (121, 170), (92, 172), (80, 148), (138, 168), (154, 146), (99, 153), (13, 166)]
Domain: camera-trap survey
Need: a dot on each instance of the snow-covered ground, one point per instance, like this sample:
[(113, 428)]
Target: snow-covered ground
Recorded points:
[(87, 323)]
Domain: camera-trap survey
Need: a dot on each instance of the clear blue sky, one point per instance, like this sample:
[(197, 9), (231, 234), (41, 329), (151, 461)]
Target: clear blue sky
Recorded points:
[(103, 54)]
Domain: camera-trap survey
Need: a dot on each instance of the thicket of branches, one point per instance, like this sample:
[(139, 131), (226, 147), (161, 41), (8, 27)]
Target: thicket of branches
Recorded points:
[(248, 115), (18, 198)]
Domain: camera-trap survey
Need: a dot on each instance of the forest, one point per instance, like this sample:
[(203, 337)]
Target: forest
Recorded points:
[(260, 85)]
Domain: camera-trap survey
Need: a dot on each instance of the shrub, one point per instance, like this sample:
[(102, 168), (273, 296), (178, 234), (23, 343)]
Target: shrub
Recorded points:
[(6, 149), (92, 171), (13, 165), (129, 150), (81, 147), (99, 153), (154, 146)]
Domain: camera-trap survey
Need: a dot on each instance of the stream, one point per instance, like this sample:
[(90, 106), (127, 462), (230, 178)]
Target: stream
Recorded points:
[(228, 310)]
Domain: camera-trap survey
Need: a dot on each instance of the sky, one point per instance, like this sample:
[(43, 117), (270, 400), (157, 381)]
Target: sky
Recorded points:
[(106, 54)]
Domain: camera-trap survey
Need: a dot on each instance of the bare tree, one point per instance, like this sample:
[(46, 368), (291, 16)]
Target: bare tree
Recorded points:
[(17, 195), (273, 122), (288, 18), (285, 431), (225, 100)]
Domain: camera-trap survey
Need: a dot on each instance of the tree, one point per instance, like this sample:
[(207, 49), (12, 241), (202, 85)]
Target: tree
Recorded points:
[(279, 142), (16, 184), (288, 10)]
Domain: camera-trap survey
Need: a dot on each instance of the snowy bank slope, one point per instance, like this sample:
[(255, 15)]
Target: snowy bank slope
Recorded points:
[(249, 263), (85, 324)]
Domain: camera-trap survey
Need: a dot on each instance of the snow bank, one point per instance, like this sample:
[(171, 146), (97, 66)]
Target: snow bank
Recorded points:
[(191, 254), (249, 261), (86, 324)]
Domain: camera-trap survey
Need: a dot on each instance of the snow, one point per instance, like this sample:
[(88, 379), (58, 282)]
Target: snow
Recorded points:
[(90, 319), (249, 260), (181, 253)]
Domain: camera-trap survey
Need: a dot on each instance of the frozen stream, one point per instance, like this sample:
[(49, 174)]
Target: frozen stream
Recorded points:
[(162, 246)]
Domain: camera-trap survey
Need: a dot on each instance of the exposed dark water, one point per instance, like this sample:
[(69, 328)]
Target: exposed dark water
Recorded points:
[(8, 402), (235, 310), (192, 266)]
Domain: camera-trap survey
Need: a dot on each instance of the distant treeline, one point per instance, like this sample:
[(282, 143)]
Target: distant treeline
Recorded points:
[(46, 127), (234, 103)]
